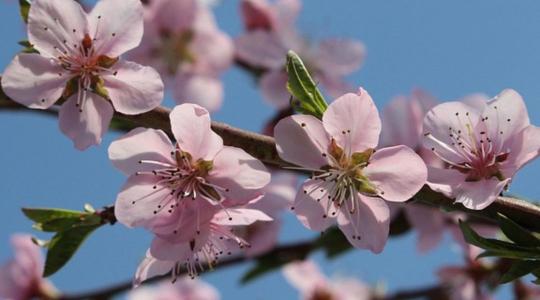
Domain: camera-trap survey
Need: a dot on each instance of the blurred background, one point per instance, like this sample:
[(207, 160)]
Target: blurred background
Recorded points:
[(448, 48)]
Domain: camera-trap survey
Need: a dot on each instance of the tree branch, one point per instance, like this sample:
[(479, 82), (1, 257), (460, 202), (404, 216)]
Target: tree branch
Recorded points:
[(263, 147)]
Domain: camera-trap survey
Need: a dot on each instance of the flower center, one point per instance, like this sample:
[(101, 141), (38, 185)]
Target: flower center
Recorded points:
[(480, 147), (174, 49)]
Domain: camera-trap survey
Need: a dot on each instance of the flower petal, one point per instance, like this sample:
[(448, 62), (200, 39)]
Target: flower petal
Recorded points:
[(55, 26), (444, 180), (305, 276), (172, 15), (397, 172), (400, 124), (446, 121), (525, 147), (368, 225), (190, 124), (353, 121), (34, 80), (340, 57), (164, 249), (138, 203), (239, 217), (507, 116), (429, 224), (261, 49), (86, 127), (302, 140), (206, 91), (151, 267), (262, 237), (241, 175), (274, 88), (141, 143), (257, 14), (133, 89), (214, 50), (116, 26), (312, 206), (478, 195)]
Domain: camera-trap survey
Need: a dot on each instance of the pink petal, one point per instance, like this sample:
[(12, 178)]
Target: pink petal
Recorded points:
[(440, 119), (444, 180), (214, 51), (190, 125), (478, 195), (353, 121), (262, 237), (141, 143), (51, 22), (524, 148), (400, 124), (506, 113), (368, 225), (351, 289), (340, 57), (257, 14), (85, 128), (133, 89), (242, 176), (397, 172), (334, 86), (206, 91), (240, 217), (116, 26), (172, 15), (138, 202), (312, 207), (278, 194), (151, 267), (302, 140), (34, 80), (304, 275), (179, 251), (262, 49), (287, 12), (429, 224), (274, 88)]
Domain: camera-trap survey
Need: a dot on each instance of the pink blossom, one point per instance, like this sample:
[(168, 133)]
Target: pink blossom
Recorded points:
[(312, 284), (278, 195), (182, 289), (483, 144), (212, 240), (271, 33), (182, 41), (78, 63), (20, 278), (466, 282), (350, 179), (169, 183)]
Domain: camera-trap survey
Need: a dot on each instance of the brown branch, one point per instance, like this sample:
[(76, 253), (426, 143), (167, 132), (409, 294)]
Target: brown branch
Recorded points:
[(263, 148)]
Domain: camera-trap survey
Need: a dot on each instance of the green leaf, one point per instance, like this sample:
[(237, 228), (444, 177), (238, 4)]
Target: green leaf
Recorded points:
[(519, 269), (24, 9), (516, 233), (63, 246), (44, 215), (309, 100)]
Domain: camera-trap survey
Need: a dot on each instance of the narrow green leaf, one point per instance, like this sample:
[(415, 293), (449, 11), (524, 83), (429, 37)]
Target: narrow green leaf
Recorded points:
[(24, 9), (519, 269), (43, 215), (516, 233), (309, 100), (63, 246)]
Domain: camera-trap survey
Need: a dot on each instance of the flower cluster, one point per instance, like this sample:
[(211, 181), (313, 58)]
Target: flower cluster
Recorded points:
[(271, 33), (182, 41), (190, 194)]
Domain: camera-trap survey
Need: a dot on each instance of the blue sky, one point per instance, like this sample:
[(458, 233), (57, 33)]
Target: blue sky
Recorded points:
[(449, 48)]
